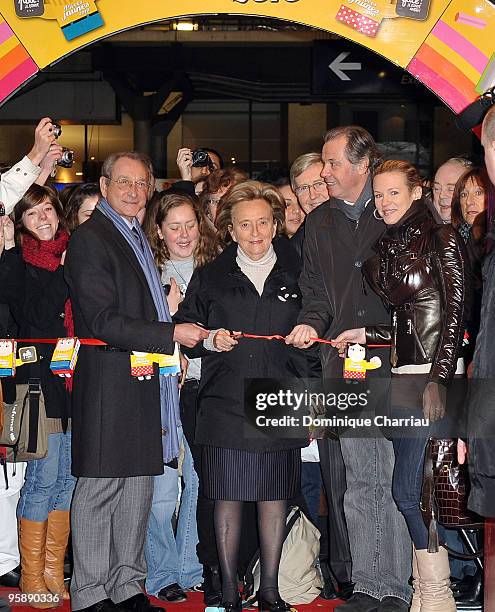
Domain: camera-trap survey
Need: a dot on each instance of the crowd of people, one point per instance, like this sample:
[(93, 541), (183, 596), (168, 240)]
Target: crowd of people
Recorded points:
[(162, 482)]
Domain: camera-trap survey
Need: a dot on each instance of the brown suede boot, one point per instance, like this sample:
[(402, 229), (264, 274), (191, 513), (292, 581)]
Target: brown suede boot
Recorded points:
[(32, 536), (57, 536), (434, 581), (416, 598)]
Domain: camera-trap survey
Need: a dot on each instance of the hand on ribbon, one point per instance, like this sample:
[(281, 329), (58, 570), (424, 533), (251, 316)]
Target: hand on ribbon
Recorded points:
[(349, 336), (224, 340), (302, 336)]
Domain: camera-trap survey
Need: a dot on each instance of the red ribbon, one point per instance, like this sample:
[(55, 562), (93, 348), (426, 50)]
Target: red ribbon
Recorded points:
[(88, 341), (321, 340), (95, 342)]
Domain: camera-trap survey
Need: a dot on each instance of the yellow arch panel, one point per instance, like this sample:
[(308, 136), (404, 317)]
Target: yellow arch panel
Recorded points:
[(460, 32)]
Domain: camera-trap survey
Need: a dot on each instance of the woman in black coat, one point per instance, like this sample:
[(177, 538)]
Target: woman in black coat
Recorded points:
[(43, 310), (252, 288), (469, 218)]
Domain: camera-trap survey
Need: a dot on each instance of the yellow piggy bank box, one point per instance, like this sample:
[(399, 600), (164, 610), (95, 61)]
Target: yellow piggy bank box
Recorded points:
[(64, 357), (169, 365), (8, 361), (8, 349), (142, 365)]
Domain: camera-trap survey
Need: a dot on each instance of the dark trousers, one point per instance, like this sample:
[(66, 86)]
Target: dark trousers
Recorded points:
[(334, 482), (207, 546), (311, 487)]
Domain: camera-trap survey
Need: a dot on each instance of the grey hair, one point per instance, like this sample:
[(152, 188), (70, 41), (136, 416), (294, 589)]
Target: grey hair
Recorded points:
[(302, 163), (111, 160), (460, 161), (360, 145)]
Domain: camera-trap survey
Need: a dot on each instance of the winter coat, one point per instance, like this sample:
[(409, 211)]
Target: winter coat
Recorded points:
[(421, 271), (38, 308), (12, 272), (334, 296), (221, 296), (481, 411), (116, 425)]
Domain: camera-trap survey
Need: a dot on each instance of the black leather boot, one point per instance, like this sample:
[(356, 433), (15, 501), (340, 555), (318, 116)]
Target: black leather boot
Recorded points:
[(328, 591), (469, 590), (346, 589), (212, 585), (11, 579)]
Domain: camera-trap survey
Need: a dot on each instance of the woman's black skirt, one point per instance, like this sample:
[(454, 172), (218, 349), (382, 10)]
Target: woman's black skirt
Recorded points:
[(232, 474)]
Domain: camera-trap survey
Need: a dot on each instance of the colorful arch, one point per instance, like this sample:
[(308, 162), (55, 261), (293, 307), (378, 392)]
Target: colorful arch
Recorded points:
[(446, 44)]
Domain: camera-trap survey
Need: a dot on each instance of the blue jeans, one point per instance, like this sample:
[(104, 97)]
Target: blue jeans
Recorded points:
[(49, 483), (172, 558), (379, 541), (408, 478), (407, 484)]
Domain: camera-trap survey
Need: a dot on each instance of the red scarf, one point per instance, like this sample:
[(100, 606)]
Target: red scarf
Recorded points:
[(47, 254)]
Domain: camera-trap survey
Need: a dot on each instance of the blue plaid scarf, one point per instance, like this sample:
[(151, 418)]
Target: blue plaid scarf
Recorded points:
[(169, 393)]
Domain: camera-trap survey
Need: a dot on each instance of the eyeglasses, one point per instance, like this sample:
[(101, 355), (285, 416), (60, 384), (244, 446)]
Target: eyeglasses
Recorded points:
[(305, 189), (124, 184)]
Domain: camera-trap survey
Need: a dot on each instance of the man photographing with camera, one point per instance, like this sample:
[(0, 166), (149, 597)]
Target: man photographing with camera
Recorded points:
[(196, 165), (15, 182)]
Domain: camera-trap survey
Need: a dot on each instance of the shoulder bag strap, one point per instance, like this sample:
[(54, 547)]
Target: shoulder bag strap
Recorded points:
[(34, 392)]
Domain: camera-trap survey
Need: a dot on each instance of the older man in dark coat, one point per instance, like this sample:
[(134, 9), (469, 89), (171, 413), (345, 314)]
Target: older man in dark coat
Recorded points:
[(340, 235), (123, 428)]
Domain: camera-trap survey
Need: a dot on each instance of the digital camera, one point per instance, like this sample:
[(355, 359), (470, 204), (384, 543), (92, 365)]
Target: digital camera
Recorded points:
[(200, 159), (56, 129), (67, 159)]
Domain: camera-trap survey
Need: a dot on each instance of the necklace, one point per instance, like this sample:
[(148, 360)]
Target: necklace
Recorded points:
[(183, 284)]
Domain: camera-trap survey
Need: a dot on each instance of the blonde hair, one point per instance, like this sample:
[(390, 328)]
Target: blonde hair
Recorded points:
[(247, 192), (409, 171)]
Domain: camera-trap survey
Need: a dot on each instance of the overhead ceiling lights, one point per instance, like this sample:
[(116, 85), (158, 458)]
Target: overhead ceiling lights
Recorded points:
[(185, 26)]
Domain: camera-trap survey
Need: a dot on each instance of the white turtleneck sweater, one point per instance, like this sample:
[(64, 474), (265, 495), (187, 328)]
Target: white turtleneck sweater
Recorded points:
[(257, 271)]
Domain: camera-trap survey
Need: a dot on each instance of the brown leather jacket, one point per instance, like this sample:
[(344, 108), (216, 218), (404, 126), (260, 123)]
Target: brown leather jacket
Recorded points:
[(420, 272)]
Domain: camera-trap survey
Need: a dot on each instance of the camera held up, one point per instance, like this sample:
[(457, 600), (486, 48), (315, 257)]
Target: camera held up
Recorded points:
[(200, 159), (67, 159)]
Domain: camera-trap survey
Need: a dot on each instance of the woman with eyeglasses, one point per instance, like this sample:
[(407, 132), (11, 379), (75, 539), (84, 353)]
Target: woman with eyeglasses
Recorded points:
[(181, 241)]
